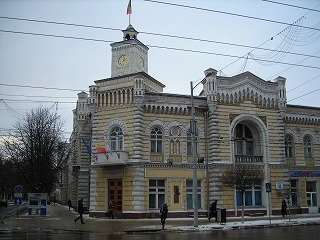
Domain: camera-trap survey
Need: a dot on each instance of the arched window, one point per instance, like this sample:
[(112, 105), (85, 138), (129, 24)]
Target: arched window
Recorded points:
[(174, 143), (244, 140), (307, 144), (289, 146), (156, 140), (116, 139)]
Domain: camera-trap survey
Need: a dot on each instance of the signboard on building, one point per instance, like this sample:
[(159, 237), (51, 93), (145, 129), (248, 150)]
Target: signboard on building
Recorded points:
[(279, 185), (305, 174)]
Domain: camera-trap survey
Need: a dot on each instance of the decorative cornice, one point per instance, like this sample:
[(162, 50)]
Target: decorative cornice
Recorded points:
[(301, 119)]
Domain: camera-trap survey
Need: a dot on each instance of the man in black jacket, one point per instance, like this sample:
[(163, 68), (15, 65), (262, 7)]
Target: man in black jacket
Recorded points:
[(80, 211), (164, 213)]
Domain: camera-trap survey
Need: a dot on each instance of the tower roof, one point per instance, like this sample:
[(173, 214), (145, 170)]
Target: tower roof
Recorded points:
[(129, 33)]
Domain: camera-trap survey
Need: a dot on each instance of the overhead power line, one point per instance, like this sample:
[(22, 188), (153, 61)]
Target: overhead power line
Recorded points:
[(290, 5), (304, 95), (19, 95), (227, 13), (49, 88), (147, 33), (31, 101), (160, 47)]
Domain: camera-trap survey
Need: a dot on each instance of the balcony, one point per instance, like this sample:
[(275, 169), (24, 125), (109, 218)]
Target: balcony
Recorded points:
[(248, 159), (111, 159)]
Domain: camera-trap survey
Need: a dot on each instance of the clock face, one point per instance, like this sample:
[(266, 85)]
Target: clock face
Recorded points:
[(141, 62), (123, 61)]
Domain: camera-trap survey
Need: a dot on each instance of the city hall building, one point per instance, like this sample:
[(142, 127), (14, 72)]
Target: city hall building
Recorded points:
[(132, 143)]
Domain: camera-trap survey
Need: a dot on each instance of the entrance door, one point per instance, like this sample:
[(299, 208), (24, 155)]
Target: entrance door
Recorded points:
[(115, 194), (312, 197)]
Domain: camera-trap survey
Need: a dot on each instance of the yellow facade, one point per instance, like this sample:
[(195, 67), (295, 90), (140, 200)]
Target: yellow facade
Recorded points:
[(148, 137)]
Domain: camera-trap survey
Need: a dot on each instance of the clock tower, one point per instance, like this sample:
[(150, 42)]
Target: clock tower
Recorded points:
[(130, 55)]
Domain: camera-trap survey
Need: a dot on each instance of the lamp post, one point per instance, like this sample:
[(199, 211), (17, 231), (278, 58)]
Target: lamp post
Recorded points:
[(194, 150), (207, 156)]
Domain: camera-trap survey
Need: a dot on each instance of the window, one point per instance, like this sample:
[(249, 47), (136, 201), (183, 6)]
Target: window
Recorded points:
[(156, 140), (244, 140), (252, 195), (174, 143), (311, 194), (116, 139), (156, 193), (294, 193), (190, 194), (307, 144), (189, 143), (289, 146)]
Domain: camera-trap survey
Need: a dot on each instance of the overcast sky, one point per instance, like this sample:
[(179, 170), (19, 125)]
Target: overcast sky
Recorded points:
[(200, 34)]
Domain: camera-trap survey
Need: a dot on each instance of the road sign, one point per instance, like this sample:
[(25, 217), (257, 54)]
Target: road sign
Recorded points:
[(17, 200), (18, 195), (268, 187), (18, 188)]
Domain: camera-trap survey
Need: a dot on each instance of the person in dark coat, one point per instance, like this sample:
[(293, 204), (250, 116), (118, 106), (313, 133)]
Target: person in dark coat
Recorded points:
[(69, 204), (284, 208), (80, 211), (110, 209), (213, 210), (164, 213)]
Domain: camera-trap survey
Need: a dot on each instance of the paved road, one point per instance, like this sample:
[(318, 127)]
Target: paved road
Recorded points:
[(60, 219)]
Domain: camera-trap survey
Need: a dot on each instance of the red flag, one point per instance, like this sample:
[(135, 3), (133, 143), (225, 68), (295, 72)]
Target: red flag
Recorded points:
[(129, 9), (101, 150)]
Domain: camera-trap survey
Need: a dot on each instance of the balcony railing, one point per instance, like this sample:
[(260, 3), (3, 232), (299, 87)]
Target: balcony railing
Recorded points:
[(248, 159), (113, 158)]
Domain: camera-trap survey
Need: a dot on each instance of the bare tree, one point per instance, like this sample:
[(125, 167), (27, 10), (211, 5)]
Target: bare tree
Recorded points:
[(37, 149), (8, 178), (241, 177)]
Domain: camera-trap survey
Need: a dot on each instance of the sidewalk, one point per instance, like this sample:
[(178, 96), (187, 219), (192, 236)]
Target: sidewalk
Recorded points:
[(60, 219)]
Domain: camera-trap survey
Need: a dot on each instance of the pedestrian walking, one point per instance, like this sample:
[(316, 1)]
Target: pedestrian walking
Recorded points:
[(284, 208), (111, 209), (164, 213), (80, 211), (69, 203), (213, 210)]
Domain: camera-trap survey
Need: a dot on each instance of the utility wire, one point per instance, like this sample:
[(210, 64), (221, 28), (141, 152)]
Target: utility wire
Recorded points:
[(273, 76), (49, 88), (304, 95), (303, 83), (31, 101), (147, 33), (17, 95), (227, 13), (290, 5), (160, 47)]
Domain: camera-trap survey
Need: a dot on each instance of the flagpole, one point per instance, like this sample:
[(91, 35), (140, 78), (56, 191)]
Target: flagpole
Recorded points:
[(129, 11)]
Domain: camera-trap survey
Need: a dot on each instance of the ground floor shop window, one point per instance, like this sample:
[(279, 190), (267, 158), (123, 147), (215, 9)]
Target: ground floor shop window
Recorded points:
[(311, 194), (157, 192), (190, 194), (252, 196), (294, 191)]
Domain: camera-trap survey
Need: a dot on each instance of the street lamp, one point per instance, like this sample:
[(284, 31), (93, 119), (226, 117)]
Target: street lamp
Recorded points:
[(207, 156), (193, 144)]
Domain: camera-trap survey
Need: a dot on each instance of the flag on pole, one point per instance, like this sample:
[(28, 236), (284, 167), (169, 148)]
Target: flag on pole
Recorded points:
[(87, 146), (129, 9), (98, 147)]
